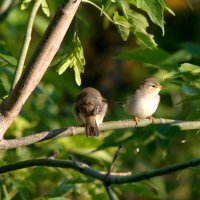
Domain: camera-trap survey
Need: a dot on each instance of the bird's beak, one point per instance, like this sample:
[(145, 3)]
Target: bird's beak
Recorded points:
[(161, 87)]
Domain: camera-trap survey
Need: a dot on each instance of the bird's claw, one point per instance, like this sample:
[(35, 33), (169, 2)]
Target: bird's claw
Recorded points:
[(152, 119), (136, 120)]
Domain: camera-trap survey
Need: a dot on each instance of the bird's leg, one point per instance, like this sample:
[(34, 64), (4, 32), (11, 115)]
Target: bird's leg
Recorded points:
[(136, 120), (152, 119)]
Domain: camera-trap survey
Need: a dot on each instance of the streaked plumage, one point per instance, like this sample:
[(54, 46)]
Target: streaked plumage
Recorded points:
[(90, 109)]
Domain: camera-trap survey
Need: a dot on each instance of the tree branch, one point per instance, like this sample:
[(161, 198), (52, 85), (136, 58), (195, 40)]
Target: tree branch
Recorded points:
[(38, 64), (112, 125), (109, 192), (110, 179)]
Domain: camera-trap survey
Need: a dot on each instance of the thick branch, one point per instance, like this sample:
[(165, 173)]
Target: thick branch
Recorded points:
[(108, 180), (46, 135), (38, 64)]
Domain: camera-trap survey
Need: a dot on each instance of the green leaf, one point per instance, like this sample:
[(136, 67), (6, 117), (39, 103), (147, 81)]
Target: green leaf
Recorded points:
[(45, 8), (145, 40), (139, 24), (65, 64), (172, 75), (187, 67), (155, 10), (77, 75), (74, 59), (25, 4), (153, 57), (8, 59), (179, 56), (122, 25)]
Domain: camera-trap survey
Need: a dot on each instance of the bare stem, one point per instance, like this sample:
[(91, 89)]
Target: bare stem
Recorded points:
[(26, 42), (114, 159)]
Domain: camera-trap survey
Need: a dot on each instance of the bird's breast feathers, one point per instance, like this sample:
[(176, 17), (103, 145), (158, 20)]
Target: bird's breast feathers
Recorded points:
[(142, 107)]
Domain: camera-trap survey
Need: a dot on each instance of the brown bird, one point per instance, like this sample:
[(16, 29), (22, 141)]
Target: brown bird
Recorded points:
[(90, 109)]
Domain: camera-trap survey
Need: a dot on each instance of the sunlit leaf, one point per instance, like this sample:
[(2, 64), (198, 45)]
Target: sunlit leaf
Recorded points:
[(25, 4), (77, 75), (74, 58), (65, 64), (187, 67), (172, 75), (45, 8), (195, 114)]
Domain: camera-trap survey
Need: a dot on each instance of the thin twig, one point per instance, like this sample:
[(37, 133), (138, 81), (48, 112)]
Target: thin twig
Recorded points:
[(112, 125), (26, 42), (52, 154), (100, 9), (75, 162), (114, 159)]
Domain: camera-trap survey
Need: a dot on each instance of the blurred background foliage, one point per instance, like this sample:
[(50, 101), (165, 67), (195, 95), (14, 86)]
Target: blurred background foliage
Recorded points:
[(115, 64)]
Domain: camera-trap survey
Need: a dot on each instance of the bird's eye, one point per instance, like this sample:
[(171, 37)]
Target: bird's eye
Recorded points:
[(153, 86)]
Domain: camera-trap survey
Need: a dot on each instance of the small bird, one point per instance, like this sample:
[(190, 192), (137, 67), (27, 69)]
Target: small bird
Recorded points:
[(144, 102), (90, 109)]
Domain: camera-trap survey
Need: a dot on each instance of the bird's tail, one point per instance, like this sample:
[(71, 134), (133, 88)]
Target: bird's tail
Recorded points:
[(91, 128)]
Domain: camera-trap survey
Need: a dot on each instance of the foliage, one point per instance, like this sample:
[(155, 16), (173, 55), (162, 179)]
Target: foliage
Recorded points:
[(50, 105)]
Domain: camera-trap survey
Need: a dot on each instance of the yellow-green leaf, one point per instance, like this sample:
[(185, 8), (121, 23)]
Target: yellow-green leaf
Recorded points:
[(25, 4), (45, 8)]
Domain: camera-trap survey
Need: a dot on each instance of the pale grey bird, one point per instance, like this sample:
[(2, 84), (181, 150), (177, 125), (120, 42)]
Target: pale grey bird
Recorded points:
[(144, 102), (90, 109)]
